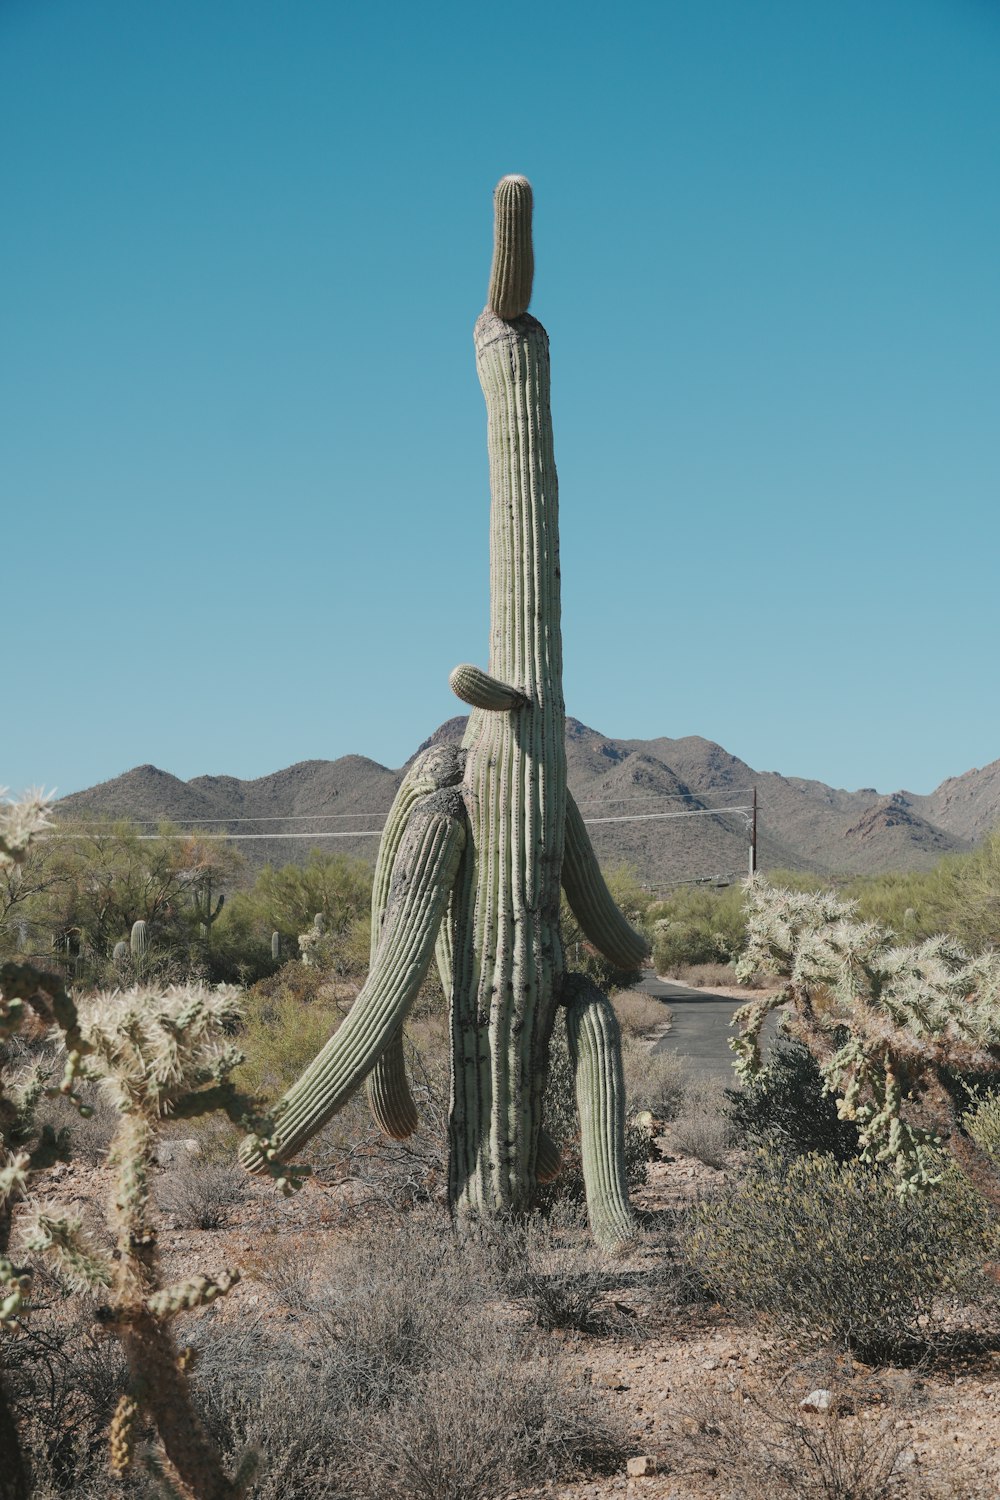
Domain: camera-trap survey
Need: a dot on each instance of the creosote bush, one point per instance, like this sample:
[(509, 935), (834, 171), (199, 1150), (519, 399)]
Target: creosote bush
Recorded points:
[(821, 1248)]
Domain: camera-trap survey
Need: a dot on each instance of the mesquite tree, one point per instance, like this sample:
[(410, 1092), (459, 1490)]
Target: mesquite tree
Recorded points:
[(480, 839)]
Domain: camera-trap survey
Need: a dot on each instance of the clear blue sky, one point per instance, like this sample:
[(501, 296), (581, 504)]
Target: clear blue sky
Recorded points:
[(243, 477)]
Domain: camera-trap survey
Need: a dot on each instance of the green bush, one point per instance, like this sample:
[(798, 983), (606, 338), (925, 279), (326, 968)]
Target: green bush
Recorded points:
[(697, 925), (819, 1248), (786, 1108)]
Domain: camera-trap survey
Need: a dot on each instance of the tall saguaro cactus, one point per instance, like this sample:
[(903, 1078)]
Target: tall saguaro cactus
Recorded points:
[(480, 839)]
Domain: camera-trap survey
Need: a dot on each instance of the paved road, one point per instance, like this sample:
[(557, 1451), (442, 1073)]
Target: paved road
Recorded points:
[(701, 1029)]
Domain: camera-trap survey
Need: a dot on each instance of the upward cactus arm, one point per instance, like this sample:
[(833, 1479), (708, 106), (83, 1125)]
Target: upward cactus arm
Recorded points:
[(592, 903), (423, 875)]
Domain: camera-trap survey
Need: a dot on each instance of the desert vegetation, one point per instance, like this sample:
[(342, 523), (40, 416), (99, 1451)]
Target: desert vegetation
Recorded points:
[(343, 1341)]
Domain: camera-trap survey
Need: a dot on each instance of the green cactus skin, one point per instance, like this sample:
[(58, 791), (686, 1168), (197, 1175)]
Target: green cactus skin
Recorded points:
[(389, 1097), (508, 840), (596, 1054), (513, 269), (276, 947), (590, 900), (120, 952), (423, 872), (203, 909), (480, 690)]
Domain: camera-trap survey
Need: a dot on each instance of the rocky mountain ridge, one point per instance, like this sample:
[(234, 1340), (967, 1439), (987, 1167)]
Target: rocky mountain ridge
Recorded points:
[(632, 792)]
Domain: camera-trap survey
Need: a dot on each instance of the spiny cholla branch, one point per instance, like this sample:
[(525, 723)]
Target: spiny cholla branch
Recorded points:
[(895, 1028)]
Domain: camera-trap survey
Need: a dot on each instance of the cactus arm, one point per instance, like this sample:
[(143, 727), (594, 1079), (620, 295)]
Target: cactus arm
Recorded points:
[(389, 1096), (596, 1054), (423, 874), (592, 903), (480, 690)]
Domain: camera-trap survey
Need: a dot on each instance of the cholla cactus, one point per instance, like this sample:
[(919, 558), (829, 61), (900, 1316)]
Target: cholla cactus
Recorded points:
[(894, 1027), (155, 1055), (479, 840), (309, 942)]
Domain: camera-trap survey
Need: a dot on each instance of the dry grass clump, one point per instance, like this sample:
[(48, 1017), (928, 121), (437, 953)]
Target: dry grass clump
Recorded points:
[(199, 1194), (401, 1380), (769, 1449), (701, 1128), (639, 1013), (654, 1081)]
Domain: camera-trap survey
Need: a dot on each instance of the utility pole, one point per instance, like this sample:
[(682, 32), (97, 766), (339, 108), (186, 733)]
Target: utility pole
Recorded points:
[(753, 834)]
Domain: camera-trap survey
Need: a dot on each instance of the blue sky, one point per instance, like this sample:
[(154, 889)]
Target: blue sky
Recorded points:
[(243, 487)]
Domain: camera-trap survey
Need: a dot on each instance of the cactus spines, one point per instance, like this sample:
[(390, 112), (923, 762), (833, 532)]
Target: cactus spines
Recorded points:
[(276, 947), (513, 268), (120, 953), (139, 939), (488, 902)]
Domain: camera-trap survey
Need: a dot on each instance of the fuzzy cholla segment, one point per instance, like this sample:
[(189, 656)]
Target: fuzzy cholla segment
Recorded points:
[(893, 1026), (20, 822), (153, 1049)]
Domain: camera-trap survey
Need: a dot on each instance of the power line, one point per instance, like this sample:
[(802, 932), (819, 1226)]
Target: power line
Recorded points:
[(374, 833)]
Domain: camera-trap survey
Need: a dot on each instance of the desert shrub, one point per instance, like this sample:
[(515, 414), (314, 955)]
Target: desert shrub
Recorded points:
[(287, 1019), (768, 1452), (701, 1128), (654, 1081), (786, 1107), (822, 1248), (402, 1357), (983, 1123), (550, 1266), (639, 1013), (697, 926), (201, 1195)]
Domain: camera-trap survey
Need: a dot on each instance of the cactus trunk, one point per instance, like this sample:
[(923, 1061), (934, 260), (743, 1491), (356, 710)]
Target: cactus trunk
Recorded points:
[(507, 950)]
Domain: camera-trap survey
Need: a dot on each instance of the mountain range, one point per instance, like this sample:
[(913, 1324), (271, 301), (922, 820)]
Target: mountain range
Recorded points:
[(802, 824)]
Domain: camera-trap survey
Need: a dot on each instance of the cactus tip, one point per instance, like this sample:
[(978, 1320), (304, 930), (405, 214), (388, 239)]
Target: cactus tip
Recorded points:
[(513, 258)]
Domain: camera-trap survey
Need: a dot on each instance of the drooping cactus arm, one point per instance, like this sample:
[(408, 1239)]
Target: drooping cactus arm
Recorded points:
[(423, 874), (592, 903), (596, 1053), (480, 690), (389, 1097)]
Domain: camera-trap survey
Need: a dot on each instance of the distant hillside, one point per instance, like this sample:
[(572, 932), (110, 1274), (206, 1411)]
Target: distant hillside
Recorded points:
[(801, 824)]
